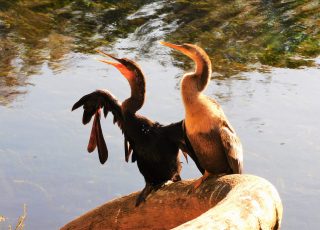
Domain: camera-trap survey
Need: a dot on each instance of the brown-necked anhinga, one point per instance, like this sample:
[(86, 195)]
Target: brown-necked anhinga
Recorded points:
[(155, 147), (215, 143)]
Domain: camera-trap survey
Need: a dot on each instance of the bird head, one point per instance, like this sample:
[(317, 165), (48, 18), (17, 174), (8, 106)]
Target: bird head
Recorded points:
[(129, 69), (201, 75), (133, 73), (190, 50)]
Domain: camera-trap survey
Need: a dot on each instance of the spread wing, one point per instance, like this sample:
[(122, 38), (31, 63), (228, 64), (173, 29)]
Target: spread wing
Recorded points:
[(92, 104), (233, 148), (176, 132), (99, 99)]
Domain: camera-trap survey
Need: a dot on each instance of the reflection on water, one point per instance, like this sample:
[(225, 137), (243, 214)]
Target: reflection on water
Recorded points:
[(234, 33), (44, 163), (37, 32)]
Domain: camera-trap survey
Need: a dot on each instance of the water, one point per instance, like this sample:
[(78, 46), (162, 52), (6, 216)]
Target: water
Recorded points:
[(44, 163)]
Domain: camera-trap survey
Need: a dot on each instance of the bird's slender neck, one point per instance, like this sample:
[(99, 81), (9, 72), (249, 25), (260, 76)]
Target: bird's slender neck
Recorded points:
[(202, 70), (136, 100), (194, 83)]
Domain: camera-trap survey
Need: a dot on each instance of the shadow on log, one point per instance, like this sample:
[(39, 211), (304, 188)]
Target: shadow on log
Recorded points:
[(226, 202)]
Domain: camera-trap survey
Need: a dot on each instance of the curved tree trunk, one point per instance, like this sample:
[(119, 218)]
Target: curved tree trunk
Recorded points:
[(226, 202)]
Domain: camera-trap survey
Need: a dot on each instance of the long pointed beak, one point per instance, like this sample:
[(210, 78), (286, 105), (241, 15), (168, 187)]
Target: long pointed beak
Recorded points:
[(121, 67), (174, 46), (115, 64), (187, 49), (110, 62), (107, 55)]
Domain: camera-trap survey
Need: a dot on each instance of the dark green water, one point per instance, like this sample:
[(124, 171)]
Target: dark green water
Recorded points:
[(266, 77)]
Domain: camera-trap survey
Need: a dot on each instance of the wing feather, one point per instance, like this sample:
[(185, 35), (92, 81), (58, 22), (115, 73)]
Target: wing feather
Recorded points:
[(233, 149), (92, 104), (93, 136), (101, 144)]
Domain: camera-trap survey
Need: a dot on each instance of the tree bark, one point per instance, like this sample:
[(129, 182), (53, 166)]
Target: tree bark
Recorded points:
[(225, 202)]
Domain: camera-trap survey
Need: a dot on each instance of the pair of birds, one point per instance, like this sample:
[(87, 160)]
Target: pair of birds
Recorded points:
[(205, 134)]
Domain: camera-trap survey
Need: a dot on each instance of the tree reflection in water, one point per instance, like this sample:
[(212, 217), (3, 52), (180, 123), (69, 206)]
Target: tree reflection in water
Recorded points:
[(238, 35)]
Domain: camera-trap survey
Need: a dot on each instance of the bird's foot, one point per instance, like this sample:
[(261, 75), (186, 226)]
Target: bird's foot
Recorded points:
[(141, 198), (143, 194), (146, 191), (199, 181)]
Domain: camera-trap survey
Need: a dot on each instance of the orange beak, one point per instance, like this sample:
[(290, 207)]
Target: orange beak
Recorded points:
[(173, 46), (186, 49), (121, 67), (180, 48)]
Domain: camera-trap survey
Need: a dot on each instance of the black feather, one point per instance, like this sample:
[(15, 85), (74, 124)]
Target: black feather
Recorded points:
[(133, 157), (93, 135), (79, 103), (102, 147)]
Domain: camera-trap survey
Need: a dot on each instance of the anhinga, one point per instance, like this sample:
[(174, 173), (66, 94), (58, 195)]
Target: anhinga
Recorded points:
[(215, 143), (155, 147)]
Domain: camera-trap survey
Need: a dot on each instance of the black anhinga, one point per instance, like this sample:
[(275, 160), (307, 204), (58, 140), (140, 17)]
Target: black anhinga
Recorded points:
[(214, 141), (155, 147)]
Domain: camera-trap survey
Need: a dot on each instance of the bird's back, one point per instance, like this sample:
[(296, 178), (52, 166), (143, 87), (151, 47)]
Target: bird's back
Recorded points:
[(155, 153)]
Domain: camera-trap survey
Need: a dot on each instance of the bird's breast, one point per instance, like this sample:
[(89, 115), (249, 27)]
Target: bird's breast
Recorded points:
[(202, 116)]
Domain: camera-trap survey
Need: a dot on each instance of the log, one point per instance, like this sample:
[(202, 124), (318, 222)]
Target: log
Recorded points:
[(225, 202)]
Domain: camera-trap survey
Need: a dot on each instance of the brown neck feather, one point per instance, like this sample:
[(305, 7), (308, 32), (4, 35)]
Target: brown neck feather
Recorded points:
[(136, 100), (203, 69)]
